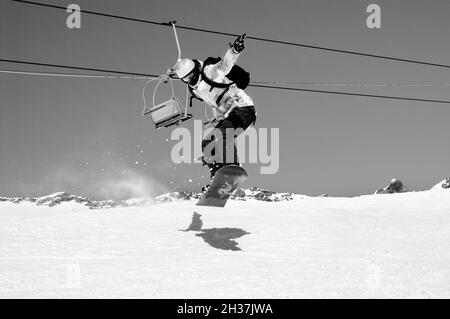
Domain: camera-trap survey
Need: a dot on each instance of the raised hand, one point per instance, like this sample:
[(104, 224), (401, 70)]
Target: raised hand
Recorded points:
[(238, 45)]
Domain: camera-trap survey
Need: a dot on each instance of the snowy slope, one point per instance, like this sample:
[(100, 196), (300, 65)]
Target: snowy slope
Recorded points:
[(393, 245)]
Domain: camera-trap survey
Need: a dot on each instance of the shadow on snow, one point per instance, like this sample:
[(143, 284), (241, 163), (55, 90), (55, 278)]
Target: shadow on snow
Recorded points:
[(220, 238)]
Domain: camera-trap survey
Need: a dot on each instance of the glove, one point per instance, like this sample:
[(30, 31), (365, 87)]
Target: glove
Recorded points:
[(238, 45)]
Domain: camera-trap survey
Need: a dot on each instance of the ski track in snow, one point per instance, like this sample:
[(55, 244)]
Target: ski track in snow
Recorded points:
[(375, 246)]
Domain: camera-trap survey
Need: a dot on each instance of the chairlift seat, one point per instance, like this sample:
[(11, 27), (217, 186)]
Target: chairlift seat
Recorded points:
[(167, 113)]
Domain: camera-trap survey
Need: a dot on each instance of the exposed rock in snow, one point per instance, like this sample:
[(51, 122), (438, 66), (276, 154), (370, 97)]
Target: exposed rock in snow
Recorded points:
[(174, 196), (254, 193), (444, 184), (17, 200), (395, 186), (262, 195), (64, 197)]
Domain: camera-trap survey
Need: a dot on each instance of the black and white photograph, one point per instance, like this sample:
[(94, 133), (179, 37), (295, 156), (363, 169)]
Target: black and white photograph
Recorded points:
[(247, 150)]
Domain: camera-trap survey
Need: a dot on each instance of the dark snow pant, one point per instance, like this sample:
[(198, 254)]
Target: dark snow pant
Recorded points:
[(222, 138)]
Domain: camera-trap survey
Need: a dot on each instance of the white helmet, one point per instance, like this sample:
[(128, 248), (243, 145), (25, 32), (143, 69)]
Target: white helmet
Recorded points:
[(183, 67)]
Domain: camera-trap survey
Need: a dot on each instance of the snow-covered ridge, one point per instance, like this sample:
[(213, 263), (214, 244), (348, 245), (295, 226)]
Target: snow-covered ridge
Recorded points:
[(254, 193), (64, 197)]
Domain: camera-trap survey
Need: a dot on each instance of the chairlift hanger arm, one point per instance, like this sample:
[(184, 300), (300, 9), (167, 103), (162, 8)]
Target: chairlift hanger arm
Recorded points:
[(172, 23)]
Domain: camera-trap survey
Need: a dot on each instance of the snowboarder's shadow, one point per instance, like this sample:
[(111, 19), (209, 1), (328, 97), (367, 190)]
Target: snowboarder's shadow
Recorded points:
[(220, 238)]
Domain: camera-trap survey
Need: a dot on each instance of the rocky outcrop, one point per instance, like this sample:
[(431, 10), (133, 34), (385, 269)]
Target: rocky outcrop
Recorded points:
[(253, 193), (174, 196), (64, 197), (395, 186), (446, 183), (263, 195), (59, 198), (17, 200)]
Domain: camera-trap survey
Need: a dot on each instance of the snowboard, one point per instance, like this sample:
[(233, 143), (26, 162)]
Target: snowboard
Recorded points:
[(224, 183)]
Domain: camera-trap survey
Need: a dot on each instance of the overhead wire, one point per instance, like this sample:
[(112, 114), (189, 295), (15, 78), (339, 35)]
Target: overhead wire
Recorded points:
[(351, 94), (289, 43), (355, 84), (104, 76), (75, 67), (253, 84), (72, 75), (151, 76)]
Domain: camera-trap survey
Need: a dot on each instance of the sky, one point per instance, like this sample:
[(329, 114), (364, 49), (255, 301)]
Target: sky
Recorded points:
[(87, 136)]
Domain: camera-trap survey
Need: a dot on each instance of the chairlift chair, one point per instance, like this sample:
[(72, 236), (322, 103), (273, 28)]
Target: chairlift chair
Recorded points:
[(169, 112)]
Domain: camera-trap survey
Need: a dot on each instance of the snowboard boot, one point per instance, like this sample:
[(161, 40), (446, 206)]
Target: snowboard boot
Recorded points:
[(213, 168)]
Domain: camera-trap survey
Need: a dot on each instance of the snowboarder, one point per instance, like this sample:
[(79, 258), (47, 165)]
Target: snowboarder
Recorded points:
[(220, 83)]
